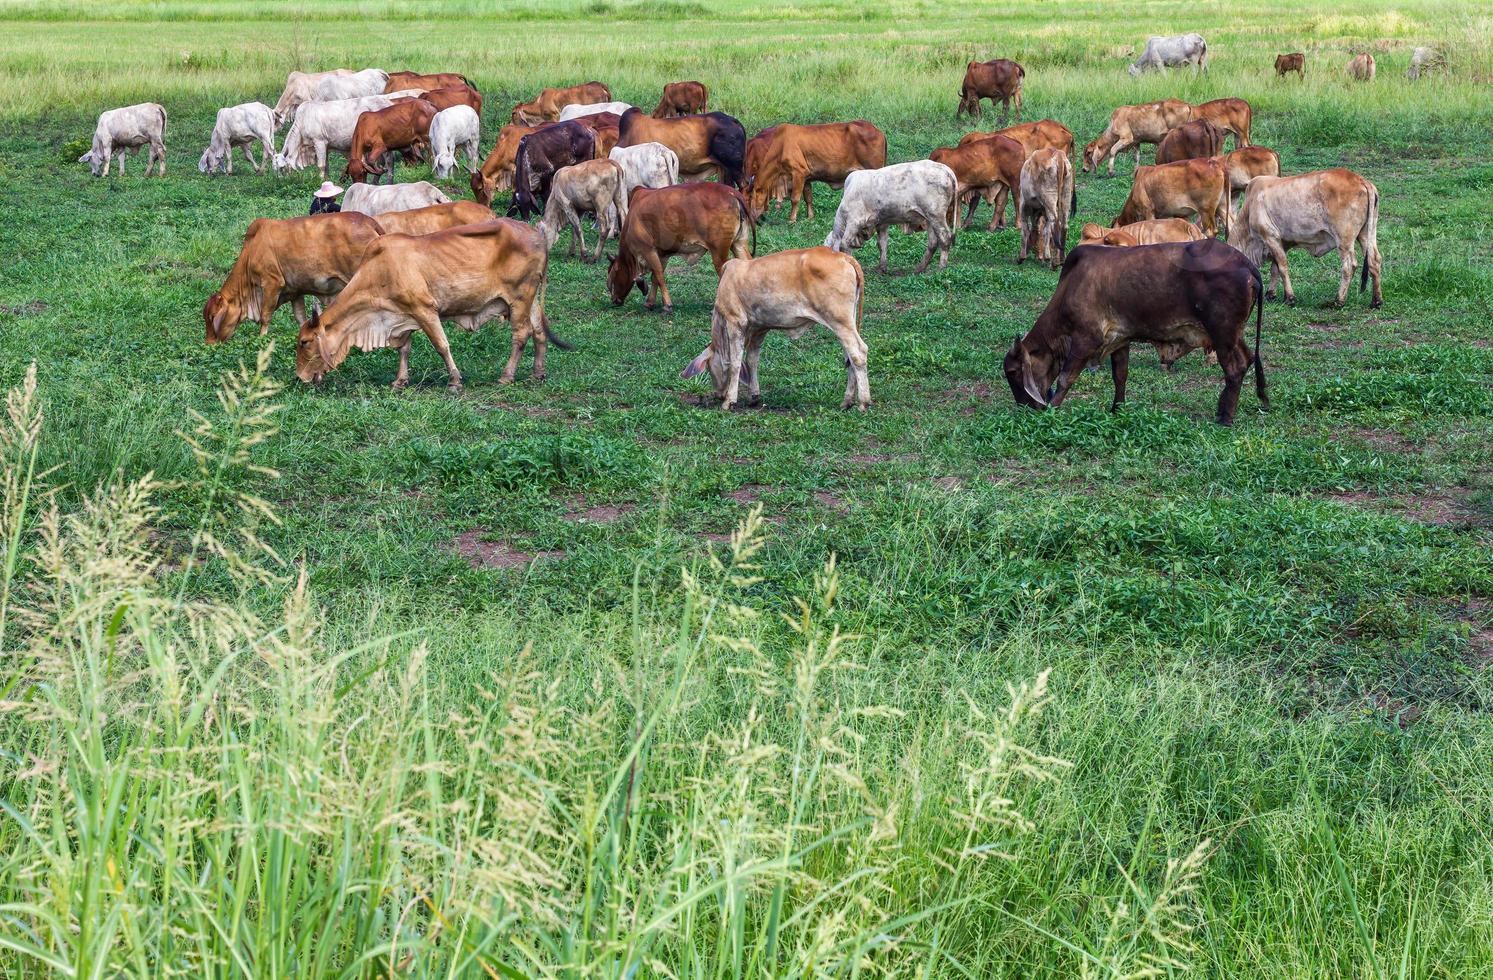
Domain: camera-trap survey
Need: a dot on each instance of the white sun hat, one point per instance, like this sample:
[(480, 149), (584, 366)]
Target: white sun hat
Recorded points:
[(327, 189)]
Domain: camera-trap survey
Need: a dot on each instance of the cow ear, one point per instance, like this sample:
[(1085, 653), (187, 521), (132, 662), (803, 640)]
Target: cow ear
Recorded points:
[(1039, 399), (697, 365)]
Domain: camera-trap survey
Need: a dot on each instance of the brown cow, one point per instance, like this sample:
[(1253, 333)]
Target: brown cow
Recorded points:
[(1230, 115), (404, 127), (1189, 141), (685, 219), (605, 126), (998, 79), (1045, 134), (401, 80), (471, 274), (1046, 198), (434, 217), (445, 98), (1362, 68), (1130, 126), (1175, 190), (1287, 63), (990, 167), (1152, 232), (826, 152), (496, 173), (285, 261), (547, 105), (713, 142), (682, 99), (1247, 163)]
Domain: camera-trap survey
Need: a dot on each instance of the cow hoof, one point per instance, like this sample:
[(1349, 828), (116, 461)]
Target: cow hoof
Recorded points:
[(454, 388), (540, 376), (1376, 304), (506, 379), (668, 310), (399, 385)]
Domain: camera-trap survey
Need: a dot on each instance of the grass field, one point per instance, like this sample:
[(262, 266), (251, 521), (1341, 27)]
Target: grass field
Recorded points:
[(282, 693)]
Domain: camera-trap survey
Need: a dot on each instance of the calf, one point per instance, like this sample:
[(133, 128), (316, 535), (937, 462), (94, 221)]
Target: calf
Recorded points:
[(496, 173), (375, 199), (547, 105), (380, 133), (1230, 115), (354, 85), (789, 291), (1189, 141), (591, 186), (575, 110), (989, 167), (1423, 61), (1175, 190), (712, 142), (240, 126), (129, 128), (826, 152), (300, 86), (1169, 52), (1320, 211), (470, 274), (999, 79), (286, 261), (1177, 296), (1247, 163), (920, 194), (1287, 63), (455, 128), (1152, 232), (434, 217), (686, 219), (1046, 199), (1130, 126), (646, 165), (542, 153), (1361, 68), (682, 99), (399, 80)]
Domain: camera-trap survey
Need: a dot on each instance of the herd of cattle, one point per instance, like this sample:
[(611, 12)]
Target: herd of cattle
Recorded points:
[(402, 257)]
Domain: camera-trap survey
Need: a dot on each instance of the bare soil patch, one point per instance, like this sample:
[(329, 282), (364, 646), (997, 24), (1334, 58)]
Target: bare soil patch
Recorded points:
[(29, 308), (832, 501), (1478, 615), (751, 493), (1443, 508), (580, 509), (495, 554)]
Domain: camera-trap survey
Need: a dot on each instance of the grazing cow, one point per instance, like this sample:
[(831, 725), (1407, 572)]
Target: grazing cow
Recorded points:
[(920, 194), (300, 86), (591, 186), (381, 133), (1287, 63), (827, 152), (445, 98), (1247, 163), (645, 165), (789, 291), (682, 99), (470, 274), (1130, 126), (1423, 61), (1189, 141), (375, 199), (1047, 197), (284, 261), (496, 173), (999, 79), (686, 219), (321, 127), (1169, 52), (1152, 232), (1179, 296), (1361, 68), (712, 142), (399, 80), (1045, 134), (434, 217), (542, 153), (240, 126), (451, 129), (547, 105), (1175, 190), (1230, 115), (356, 85), (990, 167), (129, 128), (575, 111), (1319, 211)]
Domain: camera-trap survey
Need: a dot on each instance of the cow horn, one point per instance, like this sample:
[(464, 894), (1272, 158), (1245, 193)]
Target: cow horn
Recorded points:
[(1038, 400)]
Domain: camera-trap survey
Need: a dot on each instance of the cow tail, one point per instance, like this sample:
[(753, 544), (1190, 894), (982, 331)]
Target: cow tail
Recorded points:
[(1373, 220), (163, 123), (951, 213), (860, 294), (550, 335), (1259, 328), (746, 217)]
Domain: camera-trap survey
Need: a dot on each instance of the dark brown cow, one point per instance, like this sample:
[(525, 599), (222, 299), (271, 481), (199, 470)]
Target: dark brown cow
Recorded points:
[(403, 127), (798, 155), (1287, 63), (401, 80), (1230, 115), (713, 142), (1189, 141), (1178, 297), (999, 79), (547, 105), (989, 167), (685, 219), (540, 154), (682, 99), (496, 172)]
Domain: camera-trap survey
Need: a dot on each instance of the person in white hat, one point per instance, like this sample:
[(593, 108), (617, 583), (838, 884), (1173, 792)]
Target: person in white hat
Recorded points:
[(324, 201)]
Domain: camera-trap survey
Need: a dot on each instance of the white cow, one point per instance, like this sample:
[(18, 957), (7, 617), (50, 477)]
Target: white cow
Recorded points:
[(374, 199), (240, 126), (646, 165), (1423, 61), (369, 81), (128, 128), (576, 109), (320, 127), (453, 128), (300, 86), (1169, 52), (921, 194)]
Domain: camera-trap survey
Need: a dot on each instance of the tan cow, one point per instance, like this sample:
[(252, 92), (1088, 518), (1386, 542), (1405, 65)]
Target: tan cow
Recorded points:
[(434, 217), (1319, 211), (1362, 68), (1175, 190), (284, 261), (1130, 126), (1247, 163), (548, 103), (789, 291), (400, 80), (799, 155), (1046, 199), (470, 274), (1230, 115), (988, 168), (1199, 138), (1152, 232), (496, 173), (593, 186)]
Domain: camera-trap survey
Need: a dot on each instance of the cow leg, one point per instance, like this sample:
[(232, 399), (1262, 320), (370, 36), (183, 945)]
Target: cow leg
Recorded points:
[(1372, 257), (933, 243), (1345, 256), (1234, 363), (430, 324), (881, 236), (298, 307), (656, 265), (1119, 371), (158, 153), (974, 203), (809, 197), (753, 357), (1278, 261), (109, 158), (857, 384), (267, 154), (1018, 105), (228, 164), (402, 377), (577, 233), (734, 355), (795, 195), (321, 158), (1078, 358), (1028, 232)]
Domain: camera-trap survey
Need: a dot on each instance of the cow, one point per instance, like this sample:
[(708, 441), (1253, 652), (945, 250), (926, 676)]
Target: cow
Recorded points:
[(375, 199), (711, 142), (496, 173), (470, 274), (399, 80), (1287, 63), (1423, 61), (1319, 212), (542, 153), (380, 133), (1175, 190), (576, 110), (1362, 68), (1046, 198), (646, 165), (284, 261), (452, 95), (434, 217), (128, 128), (1033, 136), (455, 128), (591, 186), (321, 127), (685, 219), (1152, 232), (989, 167), (547, 105), (919, 194), (240, 126), (999, 79), (682, 99), (355, 85), (604, 126), (1169, 52), (1189, 141), (827, 152), (300, 86), (789, 291), (1130, 126), (1247, 163), (1230, 115), (1178, 296)]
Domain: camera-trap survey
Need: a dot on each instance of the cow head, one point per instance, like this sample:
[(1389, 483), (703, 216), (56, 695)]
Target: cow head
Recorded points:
[(526, 114), (481, 188), (357, 171), (1028, 374), (220, 319), (1091, 155), (209, 162), (314, 354), (622, 276)]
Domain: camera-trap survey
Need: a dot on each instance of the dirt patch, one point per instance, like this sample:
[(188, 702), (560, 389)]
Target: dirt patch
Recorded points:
[(717, 538), (580, 509), (495, 554), (1478, 615), (832, 501), (751, 493), (1386, 440), (738, 460), (28, 308), (866, 459), (1444, 508), (949, 482), (1401, 712)]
